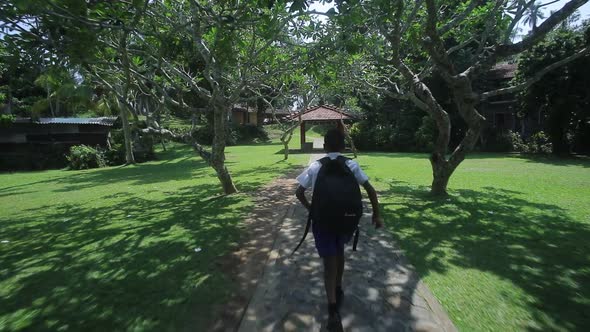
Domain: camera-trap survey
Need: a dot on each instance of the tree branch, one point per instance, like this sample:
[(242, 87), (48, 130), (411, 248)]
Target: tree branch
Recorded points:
[(412, 16), (460, 18), (537, 77), (537, 35)]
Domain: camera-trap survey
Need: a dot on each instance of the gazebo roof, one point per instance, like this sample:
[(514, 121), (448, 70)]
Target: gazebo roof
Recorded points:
[(323, 113)]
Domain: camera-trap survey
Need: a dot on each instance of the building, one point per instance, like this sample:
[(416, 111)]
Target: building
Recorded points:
[(43, 143), (321, 115), (502, 112), (241, 115)]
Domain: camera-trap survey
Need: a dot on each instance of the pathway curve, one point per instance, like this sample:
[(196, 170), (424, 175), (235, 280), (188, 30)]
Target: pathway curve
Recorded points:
[(382, 291)]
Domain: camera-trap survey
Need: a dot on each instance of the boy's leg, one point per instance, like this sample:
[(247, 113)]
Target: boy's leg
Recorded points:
[(330, 277), (340, 271)]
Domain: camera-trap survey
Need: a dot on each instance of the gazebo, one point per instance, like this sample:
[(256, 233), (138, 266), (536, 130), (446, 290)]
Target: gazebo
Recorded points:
[(321, 114)]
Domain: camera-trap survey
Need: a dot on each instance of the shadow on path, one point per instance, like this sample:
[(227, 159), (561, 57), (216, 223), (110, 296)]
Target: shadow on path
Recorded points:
[(382, 292)]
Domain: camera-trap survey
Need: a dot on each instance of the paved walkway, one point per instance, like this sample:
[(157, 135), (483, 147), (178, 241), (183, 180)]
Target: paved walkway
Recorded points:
[(382, 292)]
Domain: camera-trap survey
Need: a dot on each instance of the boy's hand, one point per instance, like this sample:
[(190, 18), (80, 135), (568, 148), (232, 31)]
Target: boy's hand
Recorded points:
[(377, 221)]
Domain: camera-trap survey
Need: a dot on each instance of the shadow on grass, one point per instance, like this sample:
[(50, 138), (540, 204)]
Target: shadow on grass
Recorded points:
[(583, 161), (535, 246), (124, 261), (130, 265)]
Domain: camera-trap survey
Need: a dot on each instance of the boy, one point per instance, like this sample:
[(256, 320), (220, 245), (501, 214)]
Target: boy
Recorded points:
[(330, 246)]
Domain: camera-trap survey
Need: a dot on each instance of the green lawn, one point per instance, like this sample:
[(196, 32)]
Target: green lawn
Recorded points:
[(114, 248), (509, 250)]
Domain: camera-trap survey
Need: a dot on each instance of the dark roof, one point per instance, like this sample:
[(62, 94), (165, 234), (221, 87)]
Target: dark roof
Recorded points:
[(102, 121), (239, 108), (503, 70), (323, 113), (279, 112)]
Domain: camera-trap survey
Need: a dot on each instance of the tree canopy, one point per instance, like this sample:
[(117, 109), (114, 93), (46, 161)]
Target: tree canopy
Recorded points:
[(147, 57)]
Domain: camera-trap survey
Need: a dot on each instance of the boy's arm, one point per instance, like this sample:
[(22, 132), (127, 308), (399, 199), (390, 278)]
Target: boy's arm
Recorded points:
[(377, 221), (300, 193)]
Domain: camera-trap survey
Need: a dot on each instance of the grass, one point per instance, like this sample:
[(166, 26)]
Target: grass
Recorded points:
[(508, 250), (114, 248)]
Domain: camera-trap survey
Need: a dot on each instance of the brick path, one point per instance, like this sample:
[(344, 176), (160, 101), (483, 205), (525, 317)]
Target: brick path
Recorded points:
[(382, 291)]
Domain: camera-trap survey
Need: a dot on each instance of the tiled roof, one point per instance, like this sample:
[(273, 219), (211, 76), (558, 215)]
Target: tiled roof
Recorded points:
[(102, 121), (323, 113)]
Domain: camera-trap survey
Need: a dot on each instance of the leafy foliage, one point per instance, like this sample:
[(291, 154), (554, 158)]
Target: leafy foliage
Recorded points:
[(563, 95), (85, 157)]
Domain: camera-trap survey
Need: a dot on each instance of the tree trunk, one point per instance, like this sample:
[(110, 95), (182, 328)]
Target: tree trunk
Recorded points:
[(218, 149), (129, 158), (286, 138), (260, 112), (440, 175), (49, 101), (286, 150)]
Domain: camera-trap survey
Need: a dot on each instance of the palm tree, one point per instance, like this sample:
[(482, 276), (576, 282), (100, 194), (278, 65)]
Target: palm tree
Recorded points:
[(534, 13)]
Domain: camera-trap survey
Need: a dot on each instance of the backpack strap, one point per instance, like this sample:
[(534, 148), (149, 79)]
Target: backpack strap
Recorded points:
[(343, 160), (324, 160), (307, 226)]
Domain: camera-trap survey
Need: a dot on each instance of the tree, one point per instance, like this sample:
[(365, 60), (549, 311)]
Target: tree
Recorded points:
[(457, 40), (563, 94), (534, 13), (162, 51)]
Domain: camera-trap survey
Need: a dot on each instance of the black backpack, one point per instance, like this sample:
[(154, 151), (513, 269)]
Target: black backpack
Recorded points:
[(336, 204)]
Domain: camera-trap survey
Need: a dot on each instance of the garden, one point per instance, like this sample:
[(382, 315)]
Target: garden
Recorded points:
[(139, 141)]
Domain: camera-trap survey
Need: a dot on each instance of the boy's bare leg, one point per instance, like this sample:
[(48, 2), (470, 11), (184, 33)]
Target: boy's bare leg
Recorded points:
[(330, 277), (340, 271)]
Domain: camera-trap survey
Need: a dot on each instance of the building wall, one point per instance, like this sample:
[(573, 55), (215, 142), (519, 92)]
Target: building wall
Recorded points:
[(35, 146), (253, 118), (243, 117)]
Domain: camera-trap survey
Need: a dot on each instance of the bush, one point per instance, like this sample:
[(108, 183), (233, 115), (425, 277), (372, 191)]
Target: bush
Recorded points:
[(516, 142), (6, 120), (249, 133), (539, 143), (536, 144), (85, 157), (203, 134), (363, 136), (143, 148), (426, 135)]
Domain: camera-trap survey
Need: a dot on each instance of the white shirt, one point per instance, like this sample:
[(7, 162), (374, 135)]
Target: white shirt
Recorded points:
[(308, 177)]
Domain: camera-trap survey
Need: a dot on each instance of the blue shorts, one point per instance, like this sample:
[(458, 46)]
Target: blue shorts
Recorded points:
[(329, 244)]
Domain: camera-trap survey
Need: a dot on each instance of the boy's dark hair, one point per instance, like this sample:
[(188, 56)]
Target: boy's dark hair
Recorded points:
[(334, 140)]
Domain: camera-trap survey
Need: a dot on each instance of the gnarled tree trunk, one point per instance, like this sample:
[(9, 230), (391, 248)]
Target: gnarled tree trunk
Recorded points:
[(220, 113), (129, 158)]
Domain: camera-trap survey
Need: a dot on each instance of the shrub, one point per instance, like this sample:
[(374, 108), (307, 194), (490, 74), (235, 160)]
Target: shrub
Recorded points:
[(249, 133), (363, 136), (85, 157), (143, 148), (516, 142), (538, 143), (426, 134), (6, 120), (203, 134)]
